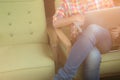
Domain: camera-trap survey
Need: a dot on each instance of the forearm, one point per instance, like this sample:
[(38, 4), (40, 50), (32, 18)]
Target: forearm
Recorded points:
[(63, 22)]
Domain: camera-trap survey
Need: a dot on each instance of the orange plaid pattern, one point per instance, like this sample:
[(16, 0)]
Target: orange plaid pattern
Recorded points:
[(70, 7)]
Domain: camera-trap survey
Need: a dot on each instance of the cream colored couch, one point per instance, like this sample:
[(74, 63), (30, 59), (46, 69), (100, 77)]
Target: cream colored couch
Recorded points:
[(110, 64), (24, 50)]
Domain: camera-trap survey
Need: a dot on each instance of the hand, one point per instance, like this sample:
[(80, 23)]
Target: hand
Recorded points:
[(75, 32), (77, 18), (78, 26), (78, 21)]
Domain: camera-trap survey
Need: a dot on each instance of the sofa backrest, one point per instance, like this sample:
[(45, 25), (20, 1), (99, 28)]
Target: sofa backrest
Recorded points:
[(22, 21)]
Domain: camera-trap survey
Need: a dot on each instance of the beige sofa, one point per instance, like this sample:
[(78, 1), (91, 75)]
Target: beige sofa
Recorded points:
[(110, 64), (24, 50)]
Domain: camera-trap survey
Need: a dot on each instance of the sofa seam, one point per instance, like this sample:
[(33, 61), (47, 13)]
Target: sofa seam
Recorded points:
[(110, 61), (22, 69)]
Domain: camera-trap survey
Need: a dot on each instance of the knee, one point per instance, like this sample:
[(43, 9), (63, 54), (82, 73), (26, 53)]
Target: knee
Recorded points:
[(92, 30), (94, 27)]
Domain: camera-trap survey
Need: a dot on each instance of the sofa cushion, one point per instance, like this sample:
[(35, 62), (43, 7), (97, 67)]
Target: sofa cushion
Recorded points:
[(26, 62), (110, 63), (22, 22)]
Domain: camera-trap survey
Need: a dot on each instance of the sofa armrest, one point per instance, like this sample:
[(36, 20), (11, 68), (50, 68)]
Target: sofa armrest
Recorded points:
[(63, 39)]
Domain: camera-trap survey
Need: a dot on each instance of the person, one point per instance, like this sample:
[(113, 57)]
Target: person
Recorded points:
[(89, 42)]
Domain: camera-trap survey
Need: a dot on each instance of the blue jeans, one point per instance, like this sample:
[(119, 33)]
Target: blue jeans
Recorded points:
[(87, 48)]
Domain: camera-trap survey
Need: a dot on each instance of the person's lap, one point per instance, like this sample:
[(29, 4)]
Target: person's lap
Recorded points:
[(84, 50)]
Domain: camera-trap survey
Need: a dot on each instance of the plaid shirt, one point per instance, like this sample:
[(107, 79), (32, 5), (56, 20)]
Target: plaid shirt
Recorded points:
[(70, 7)]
